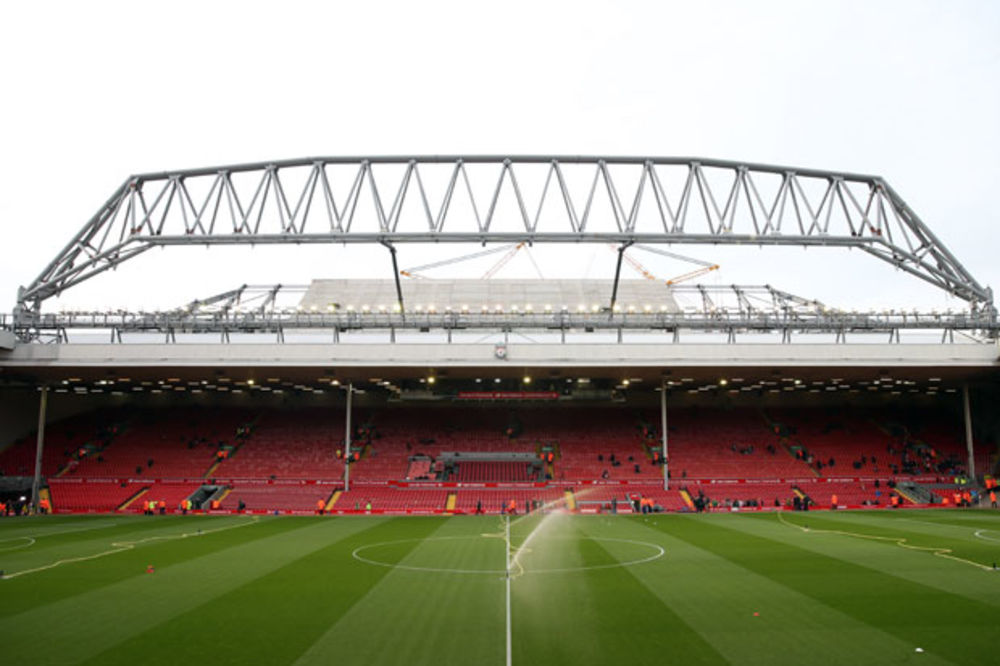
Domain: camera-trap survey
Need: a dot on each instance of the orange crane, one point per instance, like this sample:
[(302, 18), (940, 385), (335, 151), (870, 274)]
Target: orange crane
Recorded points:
[(509, 252), (704, 267)]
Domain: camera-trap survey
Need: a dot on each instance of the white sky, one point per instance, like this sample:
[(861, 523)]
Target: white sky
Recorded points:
[(94, 91)]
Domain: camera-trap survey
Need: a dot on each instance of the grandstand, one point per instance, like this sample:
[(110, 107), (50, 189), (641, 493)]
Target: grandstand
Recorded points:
[(412, 395)]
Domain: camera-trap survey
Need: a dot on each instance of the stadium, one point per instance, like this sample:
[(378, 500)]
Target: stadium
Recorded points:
[(482, 469)]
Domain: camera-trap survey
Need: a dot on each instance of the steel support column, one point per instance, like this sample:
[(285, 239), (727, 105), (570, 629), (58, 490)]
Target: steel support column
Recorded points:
[(663, 426), (618, 272), (40, 444), (347, 440), (967, 414), (395, 275)]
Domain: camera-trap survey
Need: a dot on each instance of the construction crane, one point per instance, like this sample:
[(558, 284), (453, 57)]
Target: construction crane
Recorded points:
[(508, 250), (704, 267)]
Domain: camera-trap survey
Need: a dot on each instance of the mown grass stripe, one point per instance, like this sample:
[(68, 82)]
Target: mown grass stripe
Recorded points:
[(941, 540), (69, 580), (415, 617), (274, 617), (918, 566), (89, 623), (952, 627), (12, 525), (718, 599), (591, 616)]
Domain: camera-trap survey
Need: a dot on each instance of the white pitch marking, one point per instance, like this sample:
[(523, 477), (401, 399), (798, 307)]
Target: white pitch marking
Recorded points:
[(507, 542), (30, 540), (978, 534), (356, 554), (121, 546)]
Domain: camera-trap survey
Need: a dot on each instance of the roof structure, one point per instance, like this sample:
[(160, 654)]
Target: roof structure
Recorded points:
[(646, 202), (438, 199)]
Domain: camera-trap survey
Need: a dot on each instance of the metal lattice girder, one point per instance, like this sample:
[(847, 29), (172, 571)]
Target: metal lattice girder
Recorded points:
[(495, 199), (719, 319)]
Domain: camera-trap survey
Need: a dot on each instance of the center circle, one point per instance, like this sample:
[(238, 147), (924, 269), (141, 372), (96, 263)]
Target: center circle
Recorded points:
[(656, 553), (29, 541), (979, 535)]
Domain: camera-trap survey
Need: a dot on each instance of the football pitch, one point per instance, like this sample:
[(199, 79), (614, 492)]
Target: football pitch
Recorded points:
[(803, 588)]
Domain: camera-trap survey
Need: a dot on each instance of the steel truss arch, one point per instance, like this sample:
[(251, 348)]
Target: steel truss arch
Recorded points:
[(649, 200)]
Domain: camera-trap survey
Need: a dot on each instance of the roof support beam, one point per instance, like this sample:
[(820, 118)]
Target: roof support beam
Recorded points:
[(618, 273), (720, 203)]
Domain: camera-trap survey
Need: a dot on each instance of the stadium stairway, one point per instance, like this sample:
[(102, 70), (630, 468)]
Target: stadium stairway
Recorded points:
[(124, 505), (333, 500), (908, 494)]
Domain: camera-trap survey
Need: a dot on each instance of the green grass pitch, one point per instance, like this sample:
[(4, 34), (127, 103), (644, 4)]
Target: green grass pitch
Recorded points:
[(817, 588)]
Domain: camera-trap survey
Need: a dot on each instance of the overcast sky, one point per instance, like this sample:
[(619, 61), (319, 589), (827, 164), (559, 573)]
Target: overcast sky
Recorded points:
[(94, 91)]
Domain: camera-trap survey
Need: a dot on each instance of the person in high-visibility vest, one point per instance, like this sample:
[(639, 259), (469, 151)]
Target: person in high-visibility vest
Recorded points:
[(151, 507), (215, 504), (320, 505), (993, 499), (833, 501), (44, 506)]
